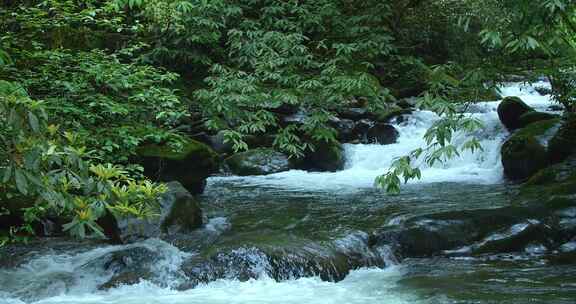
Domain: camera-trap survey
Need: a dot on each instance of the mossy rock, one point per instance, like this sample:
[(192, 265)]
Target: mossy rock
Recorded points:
[(553, 181), (510, 110), (539, 128), (523, 154), (563, 143), (190, 165), (258, 162), (534, 116)]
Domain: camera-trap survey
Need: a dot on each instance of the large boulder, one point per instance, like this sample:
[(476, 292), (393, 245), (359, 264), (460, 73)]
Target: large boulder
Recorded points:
[(522, 157), (190, 165), (325, 157), (524, 153), (180, 212), (448, 232), (510, 110), (258, 162)]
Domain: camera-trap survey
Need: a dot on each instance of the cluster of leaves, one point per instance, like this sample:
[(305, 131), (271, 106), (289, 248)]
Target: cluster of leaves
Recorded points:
[(51, 170), (112, 106)]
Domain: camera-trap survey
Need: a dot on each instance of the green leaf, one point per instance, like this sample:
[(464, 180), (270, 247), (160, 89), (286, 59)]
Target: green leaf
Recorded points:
[(21, 182), (33, 121), (7, 174)]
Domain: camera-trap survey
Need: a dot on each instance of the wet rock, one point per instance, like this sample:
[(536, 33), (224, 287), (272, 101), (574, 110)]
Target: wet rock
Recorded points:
[(125, 278), (450, 233), (522, 157), (361, 128), (180, 213), (355, 113), (383, 134), (514, 238), (219, 144), (563, 143), (325, 157), (510, 110), (190, 165), (281, 264), (295, 118), (524, 153), (181, 210), (129, 266), (345, 129), (554, 187), (393, 116), (543, 90), (258, 162)]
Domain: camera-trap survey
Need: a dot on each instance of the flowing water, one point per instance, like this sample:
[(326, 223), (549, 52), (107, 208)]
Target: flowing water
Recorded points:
[(272, 235)]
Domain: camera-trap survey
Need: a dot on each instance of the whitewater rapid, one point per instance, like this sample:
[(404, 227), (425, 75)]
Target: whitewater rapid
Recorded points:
[(365, 162)]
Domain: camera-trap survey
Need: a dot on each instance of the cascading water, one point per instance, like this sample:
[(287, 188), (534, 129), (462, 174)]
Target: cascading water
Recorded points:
[(307, 217), (365, 162)]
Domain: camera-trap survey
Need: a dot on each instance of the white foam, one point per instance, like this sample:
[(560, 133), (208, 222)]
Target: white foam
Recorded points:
[(79, 273), (359, 287)]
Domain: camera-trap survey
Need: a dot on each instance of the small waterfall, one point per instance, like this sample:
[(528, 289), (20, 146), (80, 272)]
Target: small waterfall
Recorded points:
[(365, 162)]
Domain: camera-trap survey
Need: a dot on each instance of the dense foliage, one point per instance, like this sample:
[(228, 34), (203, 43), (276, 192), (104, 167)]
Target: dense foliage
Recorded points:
[(94, 79)]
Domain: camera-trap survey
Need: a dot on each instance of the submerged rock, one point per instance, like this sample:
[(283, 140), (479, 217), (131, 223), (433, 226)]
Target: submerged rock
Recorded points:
[(129, 266), (515, 238), (190, 165), (258, 162), (510, 110)]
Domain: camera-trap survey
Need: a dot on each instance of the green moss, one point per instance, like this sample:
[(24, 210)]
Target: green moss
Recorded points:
[(552, 185), (538, 128), (259, 161), (167, 152), (522, 154), (534, 116), (190, 165), (564, 141)]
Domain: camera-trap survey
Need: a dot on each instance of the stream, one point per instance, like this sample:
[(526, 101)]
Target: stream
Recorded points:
[(302, 237)]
